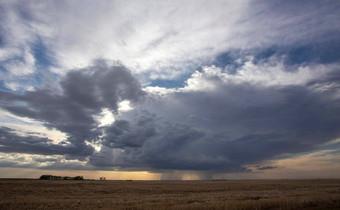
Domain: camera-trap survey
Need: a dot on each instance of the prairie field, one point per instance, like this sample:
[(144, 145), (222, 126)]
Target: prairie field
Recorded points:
[(250, 194)]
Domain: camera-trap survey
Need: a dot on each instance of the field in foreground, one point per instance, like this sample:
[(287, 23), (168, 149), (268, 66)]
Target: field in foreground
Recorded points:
[(259, 194)]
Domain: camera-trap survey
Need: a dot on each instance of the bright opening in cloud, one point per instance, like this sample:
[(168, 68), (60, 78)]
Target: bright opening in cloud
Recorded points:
[(97, 147), (105, 118), (124, 106)]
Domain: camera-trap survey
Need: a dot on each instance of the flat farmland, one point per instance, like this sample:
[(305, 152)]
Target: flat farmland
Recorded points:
[(252, 194)]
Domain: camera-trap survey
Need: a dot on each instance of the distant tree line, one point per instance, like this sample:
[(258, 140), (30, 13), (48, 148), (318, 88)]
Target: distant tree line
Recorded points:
[(51, 177)]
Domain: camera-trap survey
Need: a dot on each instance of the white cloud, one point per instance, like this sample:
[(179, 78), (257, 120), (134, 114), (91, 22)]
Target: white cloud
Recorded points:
[(105, 118), (124, 106), (160, 91), (18, 68), (273, 73), (161, 39), (6, 53), (263, 74)]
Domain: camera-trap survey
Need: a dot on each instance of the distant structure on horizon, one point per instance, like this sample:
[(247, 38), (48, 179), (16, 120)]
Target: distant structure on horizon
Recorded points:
[(51, 177)]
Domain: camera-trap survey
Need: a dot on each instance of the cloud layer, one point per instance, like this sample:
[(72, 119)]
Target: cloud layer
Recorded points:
[(218, 122), (157, 40), (168, 86)]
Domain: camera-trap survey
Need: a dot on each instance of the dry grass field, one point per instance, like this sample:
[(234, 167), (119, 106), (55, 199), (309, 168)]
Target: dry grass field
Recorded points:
[(259, 194)]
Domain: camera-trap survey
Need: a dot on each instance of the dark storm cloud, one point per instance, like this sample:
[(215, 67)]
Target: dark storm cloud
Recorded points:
[(266, 168), (227, 128), (11, 164), (123, 134), (218, 130), (72, 108), (13, 143)]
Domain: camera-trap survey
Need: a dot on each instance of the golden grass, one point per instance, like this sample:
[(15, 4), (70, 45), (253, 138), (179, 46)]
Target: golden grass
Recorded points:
[(259, 194)]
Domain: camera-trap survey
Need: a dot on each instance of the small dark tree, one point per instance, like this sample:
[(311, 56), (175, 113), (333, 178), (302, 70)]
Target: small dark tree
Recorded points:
[(78, 178), (45, 177), (102, 178)]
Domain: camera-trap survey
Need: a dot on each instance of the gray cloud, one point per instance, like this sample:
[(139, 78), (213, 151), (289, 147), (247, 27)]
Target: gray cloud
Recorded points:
[(266, 168), (214, 130), (13, 143), (234, 125), (72, 109), (123, 134)]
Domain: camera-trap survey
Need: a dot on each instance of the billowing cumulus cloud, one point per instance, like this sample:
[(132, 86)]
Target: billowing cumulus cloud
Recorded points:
[(225, 123), (235, 123)]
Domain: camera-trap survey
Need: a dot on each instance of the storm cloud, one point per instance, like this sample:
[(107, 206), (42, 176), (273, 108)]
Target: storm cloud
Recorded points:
[(72, 107), (230, 123), (228, 127)]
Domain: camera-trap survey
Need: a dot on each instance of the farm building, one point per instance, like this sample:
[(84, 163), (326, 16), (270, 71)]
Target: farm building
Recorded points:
[(51, 177)]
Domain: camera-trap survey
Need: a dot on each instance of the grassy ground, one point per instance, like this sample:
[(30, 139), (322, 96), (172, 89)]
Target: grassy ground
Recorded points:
[(264, 194)]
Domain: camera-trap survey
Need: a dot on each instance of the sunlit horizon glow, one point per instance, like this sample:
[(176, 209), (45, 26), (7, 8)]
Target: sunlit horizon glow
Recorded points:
[(170, 90)]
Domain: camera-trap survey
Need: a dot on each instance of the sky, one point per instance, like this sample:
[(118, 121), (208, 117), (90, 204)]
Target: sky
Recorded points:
[(159, 90)]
